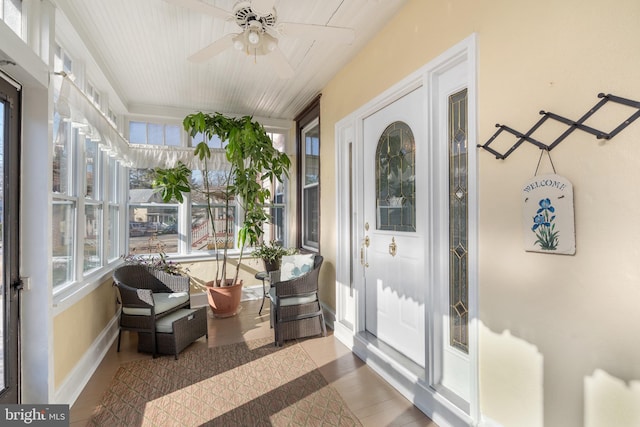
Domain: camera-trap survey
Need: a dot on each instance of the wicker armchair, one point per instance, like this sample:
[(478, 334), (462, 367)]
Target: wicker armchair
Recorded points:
[(147, 295), (295, 307)]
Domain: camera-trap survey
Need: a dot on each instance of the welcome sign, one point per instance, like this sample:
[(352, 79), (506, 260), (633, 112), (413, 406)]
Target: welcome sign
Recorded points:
[(548, 215)]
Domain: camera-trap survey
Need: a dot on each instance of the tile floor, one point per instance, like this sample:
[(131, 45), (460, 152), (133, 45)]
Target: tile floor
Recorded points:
[(372, 400)]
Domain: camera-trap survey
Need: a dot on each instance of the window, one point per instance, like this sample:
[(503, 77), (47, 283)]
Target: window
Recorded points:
[(153, 225), (62, 61), (92, 236), (458, 223), (113, 230), (78, 203), (11, 14), (203, 237), (213, 142), (155, 134), (112, 117), (64, 202), (395, 179), (87, 203), (308, 130), (93, 212), (275, 229), (93, 95), (64, 225), (311, 186)]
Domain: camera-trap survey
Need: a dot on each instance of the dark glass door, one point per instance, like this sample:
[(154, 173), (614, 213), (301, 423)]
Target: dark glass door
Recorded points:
[(9, 235)]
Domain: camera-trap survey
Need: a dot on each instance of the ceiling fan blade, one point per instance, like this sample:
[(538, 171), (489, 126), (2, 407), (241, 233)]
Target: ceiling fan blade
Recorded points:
[(213, 49), (317, 32), (263, 7), (198, 6), (280, 63)]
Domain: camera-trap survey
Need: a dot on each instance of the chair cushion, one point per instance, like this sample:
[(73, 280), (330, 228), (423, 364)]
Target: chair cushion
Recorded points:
[(162, 302), (285, 302), (165, 324), (293, 266)]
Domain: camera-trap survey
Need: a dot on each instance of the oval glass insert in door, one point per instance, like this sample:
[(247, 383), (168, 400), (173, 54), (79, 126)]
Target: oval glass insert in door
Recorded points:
[(395, 179)]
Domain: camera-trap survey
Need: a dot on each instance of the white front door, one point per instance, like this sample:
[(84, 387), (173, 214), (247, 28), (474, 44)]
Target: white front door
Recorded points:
[(395, 224), (418, 249)]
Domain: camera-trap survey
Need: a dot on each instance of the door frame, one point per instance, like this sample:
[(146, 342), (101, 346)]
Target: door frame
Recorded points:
[(419, 386), (11, 92)]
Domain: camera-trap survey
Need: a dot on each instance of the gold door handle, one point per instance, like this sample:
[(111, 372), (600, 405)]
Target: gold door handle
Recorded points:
[(362, 254), (393, 247)]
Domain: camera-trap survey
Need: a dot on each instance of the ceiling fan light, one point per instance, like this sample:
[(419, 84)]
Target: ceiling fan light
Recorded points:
[(253, 38), (270, 43), (238, 44)]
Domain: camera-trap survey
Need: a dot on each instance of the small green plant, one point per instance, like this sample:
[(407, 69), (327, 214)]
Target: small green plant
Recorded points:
[(158, 262), (272, 252)]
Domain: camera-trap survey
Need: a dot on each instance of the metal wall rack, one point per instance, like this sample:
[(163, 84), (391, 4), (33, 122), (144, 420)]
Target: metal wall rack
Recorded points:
[(571, 127)]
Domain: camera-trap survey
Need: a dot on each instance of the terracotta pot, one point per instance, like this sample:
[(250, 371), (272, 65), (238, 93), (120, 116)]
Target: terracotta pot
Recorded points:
[(224, 300)]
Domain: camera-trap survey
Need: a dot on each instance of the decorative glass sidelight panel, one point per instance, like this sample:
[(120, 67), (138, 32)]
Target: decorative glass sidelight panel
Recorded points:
[(458, 221), (395, 179)]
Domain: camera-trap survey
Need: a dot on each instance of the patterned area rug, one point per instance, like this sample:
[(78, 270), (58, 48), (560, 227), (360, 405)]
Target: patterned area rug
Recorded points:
[(246, 384)]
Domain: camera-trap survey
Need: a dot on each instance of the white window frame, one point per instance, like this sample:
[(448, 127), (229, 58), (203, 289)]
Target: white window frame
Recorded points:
[(60, 58), (105, 176), (94, 95), (21, 30), (164, 126), (305, 241), (185, 212)]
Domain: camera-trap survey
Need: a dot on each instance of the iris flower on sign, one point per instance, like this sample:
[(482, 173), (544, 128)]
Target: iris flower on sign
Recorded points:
[(543, 226)]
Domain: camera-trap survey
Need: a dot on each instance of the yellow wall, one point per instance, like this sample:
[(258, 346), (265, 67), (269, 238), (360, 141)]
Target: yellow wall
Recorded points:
[(75, 329), (579, 313)]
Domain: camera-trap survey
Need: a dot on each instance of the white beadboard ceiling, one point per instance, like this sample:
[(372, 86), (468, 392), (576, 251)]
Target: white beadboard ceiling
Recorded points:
[(142, 46)]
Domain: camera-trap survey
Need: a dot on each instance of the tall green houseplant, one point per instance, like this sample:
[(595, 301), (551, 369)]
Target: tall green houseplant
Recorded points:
[(253, 160)]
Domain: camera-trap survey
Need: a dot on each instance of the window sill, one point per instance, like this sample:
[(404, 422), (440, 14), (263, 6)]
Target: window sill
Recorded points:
[(207, 256), (68, 295)]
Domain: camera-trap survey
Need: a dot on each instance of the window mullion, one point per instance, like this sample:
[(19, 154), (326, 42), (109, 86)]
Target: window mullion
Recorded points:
[(105, 186), (184, 225)]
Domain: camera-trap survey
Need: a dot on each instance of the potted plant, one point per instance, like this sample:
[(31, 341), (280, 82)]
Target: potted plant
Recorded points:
[(271, 254), (253, 160), (159, 263)]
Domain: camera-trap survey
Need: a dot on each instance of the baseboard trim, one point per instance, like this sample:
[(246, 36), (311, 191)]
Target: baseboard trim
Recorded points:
[(344, 334), (488, 422), (329, 316), (78, 378)]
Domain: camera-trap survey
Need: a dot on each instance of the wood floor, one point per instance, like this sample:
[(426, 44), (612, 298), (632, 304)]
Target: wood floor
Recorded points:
[(372, 400)]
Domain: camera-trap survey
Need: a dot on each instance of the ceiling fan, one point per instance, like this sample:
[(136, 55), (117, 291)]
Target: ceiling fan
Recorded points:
[(259, 32)]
